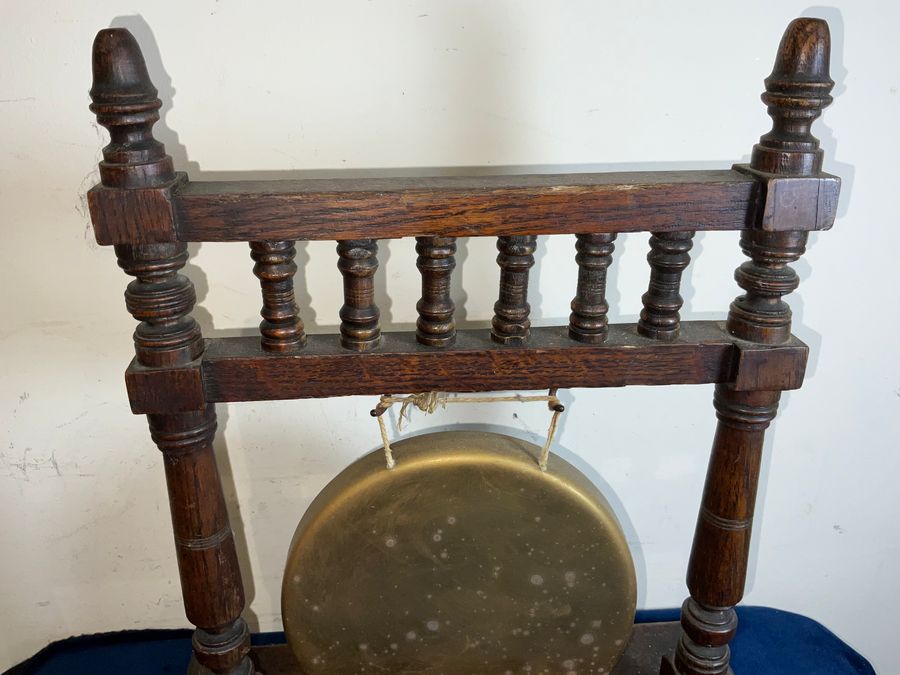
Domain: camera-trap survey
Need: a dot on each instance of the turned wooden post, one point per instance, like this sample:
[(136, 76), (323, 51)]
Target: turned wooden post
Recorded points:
[(281, 328), (669, 256), (125, 102), (436, 261), (796, 92), (358, 263), (511, 324), (588, 321)]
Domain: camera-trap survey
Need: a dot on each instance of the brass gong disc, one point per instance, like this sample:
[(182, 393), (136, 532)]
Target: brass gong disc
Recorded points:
[(464, 558)]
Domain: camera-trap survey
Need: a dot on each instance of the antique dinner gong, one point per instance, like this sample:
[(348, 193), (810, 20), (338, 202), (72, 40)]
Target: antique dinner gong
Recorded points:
[(463, 558)]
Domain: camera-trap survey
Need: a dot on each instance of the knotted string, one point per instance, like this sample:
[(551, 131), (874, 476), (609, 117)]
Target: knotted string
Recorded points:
[(429, 401)]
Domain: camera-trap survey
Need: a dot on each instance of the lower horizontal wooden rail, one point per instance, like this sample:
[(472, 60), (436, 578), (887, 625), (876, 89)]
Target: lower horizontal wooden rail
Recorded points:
[(237, 369)]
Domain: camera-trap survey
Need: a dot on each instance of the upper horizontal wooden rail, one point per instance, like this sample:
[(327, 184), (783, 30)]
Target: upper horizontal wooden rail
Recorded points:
[(463, 206)]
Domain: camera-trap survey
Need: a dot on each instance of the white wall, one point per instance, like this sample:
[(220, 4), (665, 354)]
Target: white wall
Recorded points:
[(307, 85)]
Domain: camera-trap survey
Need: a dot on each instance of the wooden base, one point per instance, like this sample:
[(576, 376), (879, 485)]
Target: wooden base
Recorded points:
[(649, 643)]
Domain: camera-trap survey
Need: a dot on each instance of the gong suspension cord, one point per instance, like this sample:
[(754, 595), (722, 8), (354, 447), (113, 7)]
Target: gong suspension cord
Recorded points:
[(429, 401)]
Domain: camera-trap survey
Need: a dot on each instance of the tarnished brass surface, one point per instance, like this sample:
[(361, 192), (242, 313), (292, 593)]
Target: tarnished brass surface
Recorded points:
[(650, 642), (464, 558)]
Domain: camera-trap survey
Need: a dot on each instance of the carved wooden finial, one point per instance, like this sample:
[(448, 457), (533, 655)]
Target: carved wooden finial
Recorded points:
[(125, 102), (796, 93)]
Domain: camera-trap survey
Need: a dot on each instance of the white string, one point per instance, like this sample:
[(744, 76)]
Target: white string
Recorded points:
[(429, 401), (388, 453), (545, 451)]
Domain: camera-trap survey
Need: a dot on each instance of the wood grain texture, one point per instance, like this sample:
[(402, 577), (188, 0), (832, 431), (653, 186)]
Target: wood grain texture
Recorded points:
[(168, 338), (389, 208), (796, 92), (236, 369), (161, 299), (149, 212), (717, 568), (715, 357), (795, 203), (669, 256), (124, 100), (158, 390), (281, 328), (134, 215), (358, 262), (511, 323), (726, 514), (466, 206), (760, 314), (588, 321), (762, 367), (207, 559), (437, 259)]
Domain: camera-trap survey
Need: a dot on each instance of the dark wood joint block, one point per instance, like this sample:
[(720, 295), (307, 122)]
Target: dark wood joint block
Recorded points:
[(165, 390), (144, 215), (798, 203), (770, 367)]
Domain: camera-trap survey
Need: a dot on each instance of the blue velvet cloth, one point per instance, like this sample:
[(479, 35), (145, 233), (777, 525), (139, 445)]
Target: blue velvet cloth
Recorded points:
[(768, 642), (774, 642)]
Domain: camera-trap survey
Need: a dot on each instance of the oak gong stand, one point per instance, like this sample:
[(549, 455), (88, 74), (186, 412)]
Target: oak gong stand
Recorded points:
[(149, 213)]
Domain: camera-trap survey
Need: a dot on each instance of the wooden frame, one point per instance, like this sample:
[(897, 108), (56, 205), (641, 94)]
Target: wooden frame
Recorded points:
[(149, 213)]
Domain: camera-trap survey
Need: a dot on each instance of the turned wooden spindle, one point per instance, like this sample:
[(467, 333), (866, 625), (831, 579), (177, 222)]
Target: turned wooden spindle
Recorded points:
[(796, 93), (161, 299), (760, 315), (511, 324), (669, 256), (281, 328), (588, 321), (436, 261), (125, 102), (358, 263)]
